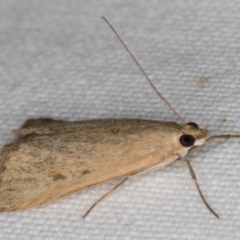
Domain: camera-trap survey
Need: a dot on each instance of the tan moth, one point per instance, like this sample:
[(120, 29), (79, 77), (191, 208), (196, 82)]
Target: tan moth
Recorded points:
[(51, 158)]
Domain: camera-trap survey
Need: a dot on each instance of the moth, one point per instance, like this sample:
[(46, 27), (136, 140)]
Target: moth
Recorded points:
[(51, 159)]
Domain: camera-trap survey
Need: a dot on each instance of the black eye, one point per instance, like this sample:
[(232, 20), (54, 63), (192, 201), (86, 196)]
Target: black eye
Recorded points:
[(187, 140), (193, 124)]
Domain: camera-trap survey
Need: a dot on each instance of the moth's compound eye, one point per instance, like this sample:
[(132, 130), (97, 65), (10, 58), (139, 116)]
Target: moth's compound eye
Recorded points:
[(193, 124), (187, 140)]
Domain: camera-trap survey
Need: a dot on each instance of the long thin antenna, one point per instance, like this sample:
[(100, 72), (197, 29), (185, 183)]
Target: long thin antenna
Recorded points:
[(144, 73)]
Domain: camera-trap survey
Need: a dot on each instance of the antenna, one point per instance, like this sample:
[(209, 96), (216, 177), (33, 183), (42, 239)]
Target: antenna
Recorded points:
[(144, 73)]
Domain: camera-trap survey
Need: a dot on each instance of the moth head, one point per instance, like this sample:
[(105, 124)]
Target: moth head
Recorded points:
[(192, 135)]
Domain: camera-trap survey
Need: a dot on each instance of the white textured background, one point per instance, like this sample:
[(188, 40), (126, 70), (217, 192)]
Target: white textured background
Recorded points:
[(59, 59)]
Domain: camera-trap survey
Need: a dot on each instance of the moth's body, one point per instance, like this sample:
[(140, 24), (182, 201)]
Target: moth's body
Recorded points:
[(51, 159)]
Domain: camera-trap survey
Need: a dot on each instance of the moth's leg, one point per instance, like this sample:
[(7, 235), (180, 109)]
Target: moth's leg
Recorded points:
[(193, 175), (178, 162), (105, 195)]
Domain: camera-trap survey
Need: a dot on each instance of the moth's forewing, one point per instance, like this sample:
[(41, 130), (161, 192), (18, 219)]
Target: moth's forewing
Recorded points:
[(56, 158)]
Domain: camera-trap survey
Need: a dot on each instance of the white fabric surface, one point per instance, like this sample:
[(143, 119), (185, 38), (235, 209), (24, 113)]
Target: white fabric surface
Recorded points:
[(59, 59)]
